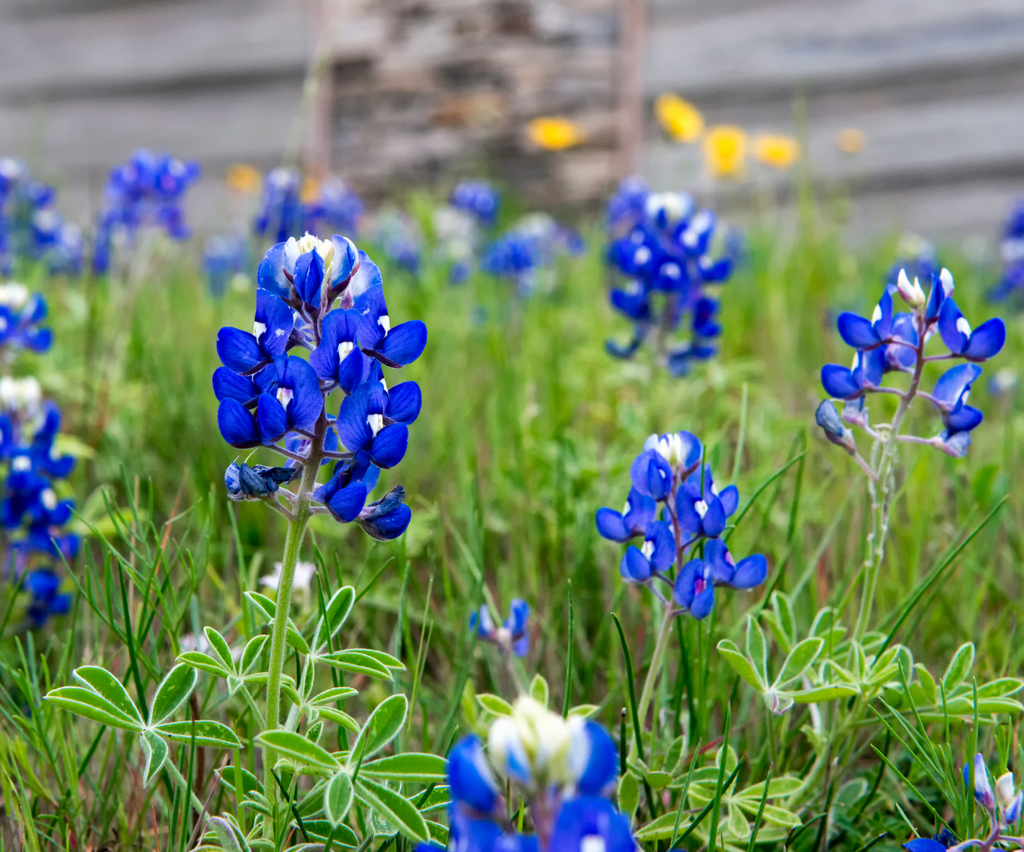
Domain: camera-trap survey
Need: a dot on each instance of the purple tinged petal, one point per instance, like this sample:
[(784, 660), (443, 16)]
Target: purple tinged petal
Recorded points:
[(703, 603), (236, 424), (663, 556), (238, 350), (406, 342), (986, 340), (719, 561), (366, 278), (271, 273), (684, 587)]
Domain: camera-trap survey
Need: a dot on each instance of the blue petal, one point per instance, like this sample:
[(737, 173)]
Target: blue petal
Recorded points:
[(964, 420), (713, 522), (229, 385), (986, 340), (611, 526), (270, 275), (664, 553), (924, 844), (857, 331), (719, 561), (406, 342), (278, 320), (236, 425), (271, 419), (238, 350), (603, 763), (949, 315), (404, 402), (951, 385), (634, 566), (703, 603), (348, 502), (309, 277), (366, 279), (651, 474), (385, 527), (839, 382), (730, 498), (469, 777), (682, 590), (307, 401), (389, 445), (750, 572), (353, 430), (346, 256)]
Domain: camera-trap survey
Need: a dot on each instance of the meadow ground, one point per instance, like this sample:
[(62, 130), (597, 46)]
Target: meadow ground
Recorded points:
[(527, 428)]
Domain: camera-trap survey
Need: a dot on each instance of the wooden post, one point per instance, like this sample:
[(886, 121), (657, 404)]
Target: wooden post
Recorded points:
[(631, 85)]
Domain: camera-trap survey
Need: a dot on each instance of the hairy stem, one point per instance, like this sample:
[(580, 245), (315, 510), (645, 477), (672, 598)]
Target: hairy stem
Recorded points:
[(279, 627)]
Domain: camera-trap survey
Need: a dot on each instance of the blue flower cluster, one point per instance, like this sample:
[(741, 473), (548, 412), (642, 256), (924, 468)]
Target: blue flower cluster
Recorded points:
[(327, 297), (31, 227), (399, 239), (146, 192), (669, 252), (528, 250), (565, 770), (482, 201), (891, 341), (1011, 253), (674, 506), (225, 258), (513, 636), (284, 212), (1001, 802), (460, 226)]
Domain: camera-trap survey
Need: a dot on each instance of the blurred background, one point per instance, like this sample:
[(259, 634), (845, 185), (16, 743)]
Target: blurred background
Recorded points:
[(910, 113)]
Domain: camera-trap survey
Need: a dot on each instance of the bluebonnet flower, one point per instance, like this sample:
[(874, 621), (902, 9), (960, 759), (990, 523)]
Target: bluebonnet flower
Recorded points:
[(21, 313), (282, 213), (46, 600), (512, 636), (400, 239), (1011, 254), (146, 192), (895, 342), (675, 507), (564, 769), (477, 198), (525, 253), (225, 260), (668, 254), (458, 235), (326, 297), (337, 208), (1002, 803)]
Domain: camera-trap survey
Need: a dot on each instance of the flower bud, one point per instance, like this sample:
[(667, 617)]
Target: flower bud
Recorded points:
[(829, 420), (982, 787), (912, 294)]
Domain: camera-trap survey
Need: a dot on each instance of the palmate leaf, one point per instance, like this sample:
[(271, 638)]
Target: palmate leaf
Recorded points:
[(298, 748), (204, 663), (172, 692), (155, 751), (382, 727), (338, 609), (89, 704), (358, 663), (104, 684), (741, 664), (338, 798), (800, 659), (398, 810)]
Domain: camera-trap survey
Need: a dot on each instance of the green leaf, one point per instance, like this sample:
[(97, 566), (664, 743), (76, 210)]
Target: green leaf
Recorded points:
[(959, 667), (338, 796), (783, 608), (584, 711), (799, 660), (757, 649), (265, 605), (494, 704), (737, 824), (251, 654), (1000, 688), (339, 717), (539, 690), (338, 609), (105, 684), (207, 733), (382, 727), (220, 647), (927, 682), (338, 693), (385, 660), (786, 785), (629, 794), (203, 662), (395, 808), (228, 835), (823, 693), (738, 660), (298, 748), (409, 767), (155, 751), (172, 692), (295, 640), (780, 816), (659, 780), (353, 661), (87, 703)]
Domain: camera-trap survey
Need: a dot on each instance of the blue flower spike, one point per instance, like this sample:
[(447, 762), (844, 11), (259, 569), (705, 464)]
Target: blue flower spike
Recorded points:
[(896, 342), (513, 636), (325, 297)]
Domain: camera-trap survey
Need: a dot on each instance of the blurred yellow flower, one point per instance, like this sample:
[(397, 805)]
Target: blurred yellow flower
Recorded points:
[(680, 119), (779, 152), (310, 189), (725, 149), (243, 178), (850, 141), (554, 134)]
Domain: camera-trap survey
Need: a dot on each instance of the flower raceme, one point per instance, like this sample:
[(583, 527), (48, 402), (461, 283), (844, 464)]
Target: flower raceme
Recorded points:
[(325, 297), (512, 636), (891, 341), (675, 507), (563, 768), (669, 253)]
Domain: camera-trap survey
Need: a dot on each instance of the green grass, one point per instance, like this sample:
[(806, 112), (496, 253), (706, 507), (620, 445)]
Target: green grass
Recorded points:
[(527, 428)]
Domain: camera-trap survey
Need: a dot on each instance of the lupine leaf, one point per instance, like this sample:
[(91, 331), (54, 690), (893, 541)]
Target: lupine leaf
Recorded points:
[(353, 661), (220, 647), (494, 704), (818, 694), (155, 750), (338, 609), (203, 662), (265, 605), (382, 727), (172, 692), (337, 693), (207, 733), (338, 797), (539, 690), (799, 660), (757, 649), (409, 767), (738, 660), (298, 748), (109, 687), (251, 654), (91, 705), (397, 809), (959, 666)]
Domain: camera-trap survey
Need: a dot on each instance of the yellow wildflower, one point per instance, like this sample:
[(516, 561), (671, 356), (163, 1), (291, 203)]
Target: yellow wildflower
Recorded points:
[(725, 150), (554, 133), (850, 141), (779, 152), (680, 119), (243, 178)]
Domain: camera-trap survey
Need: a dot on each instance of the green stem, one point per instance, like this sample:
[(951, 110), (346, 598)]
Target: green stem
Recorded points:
[(279, 627), (653, 672)]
